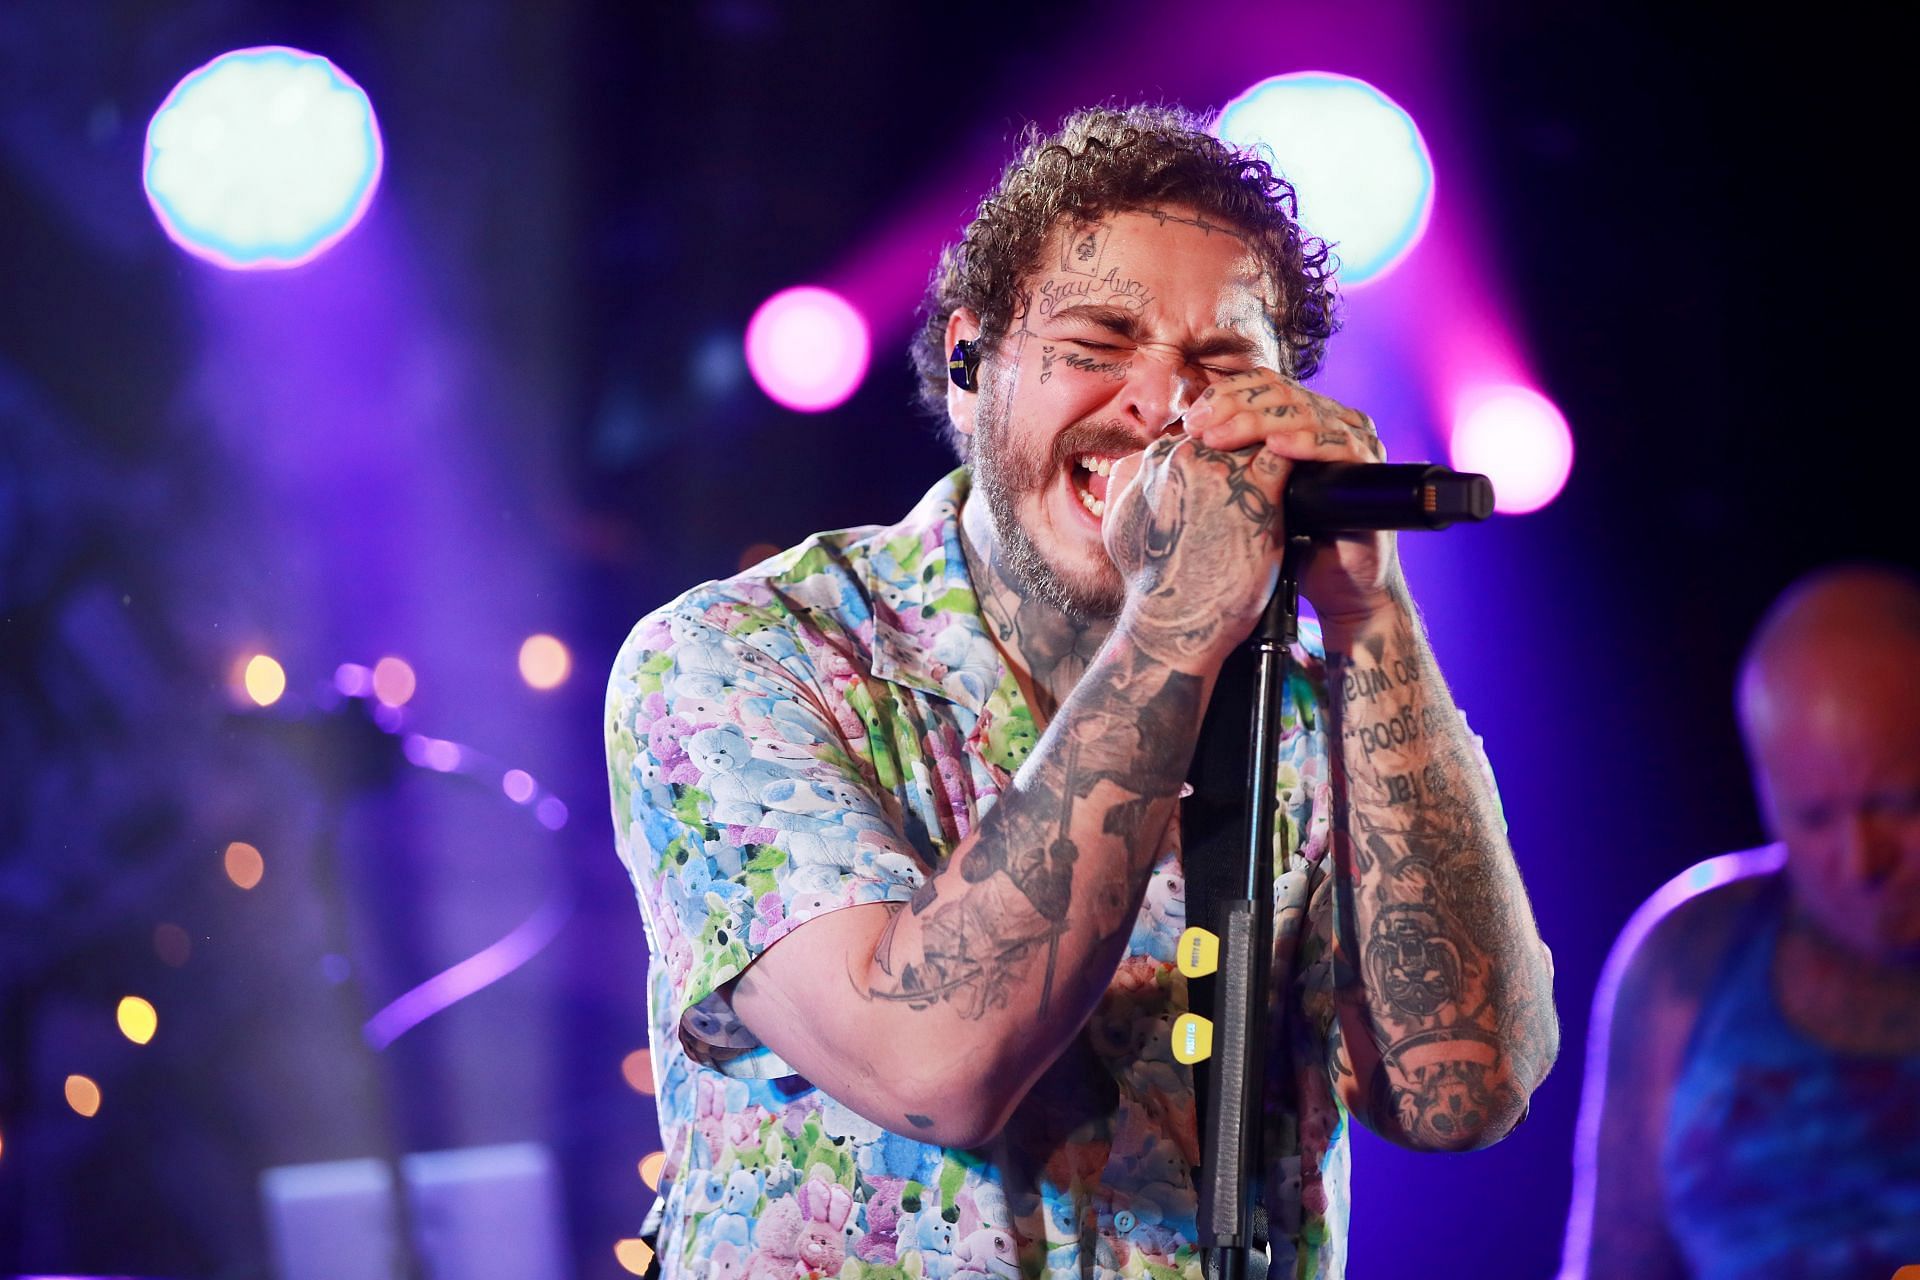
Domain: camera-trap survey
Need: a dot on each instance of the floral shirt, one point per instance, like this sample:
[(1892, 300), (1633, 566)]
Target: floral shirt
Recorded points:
[(822, 731)]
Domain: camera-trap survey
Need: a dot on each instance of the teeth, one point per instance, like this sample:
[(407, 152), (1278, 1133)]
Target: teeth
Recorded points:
[(1091, 503), (1099, 466)]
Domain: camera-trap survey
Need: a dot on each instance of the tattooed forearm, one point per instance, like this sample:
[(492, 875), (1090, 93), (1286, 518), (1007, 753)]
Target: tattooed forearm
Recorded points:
[(1026, 914), (1454, 984)]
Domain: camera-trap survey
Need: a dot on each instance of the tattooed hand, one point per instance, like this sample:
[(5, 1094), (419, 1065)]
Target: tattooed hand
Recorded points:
[(1349, 578), (1192, 531)]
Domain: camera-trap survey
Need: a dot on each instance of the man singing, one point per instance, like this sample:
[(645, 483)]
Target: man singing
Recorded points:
[(1752, 1103), (900, 803)]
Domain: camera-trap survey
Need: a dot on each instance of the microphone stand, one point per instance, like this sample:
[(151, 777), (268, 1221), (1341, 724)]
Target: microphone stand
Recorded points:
[(1232, 1218)]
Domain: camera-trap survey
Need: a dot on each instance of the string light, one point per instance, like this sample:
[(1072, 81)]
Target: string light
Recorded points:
[(756, 552), (171, 944), (518, 784), (637, 1070), (83, 1095), (544, 662), (634, 1254), (244, 865), (138, 1019), (265, 680), (393, 681)]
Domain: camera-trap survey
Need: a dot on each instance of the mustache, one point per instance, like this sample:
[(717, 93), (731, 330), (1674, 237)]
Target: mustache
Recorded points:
[(1109, 435)]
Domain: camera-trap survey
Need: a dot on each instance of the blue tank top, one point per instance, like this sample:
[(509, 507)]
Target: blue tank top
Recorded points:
[(1784, 1158)]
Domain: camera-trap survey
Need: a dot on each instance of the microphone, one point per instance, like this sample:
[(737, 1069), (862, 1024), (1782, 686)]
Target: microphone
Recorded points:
[(1354, 497)]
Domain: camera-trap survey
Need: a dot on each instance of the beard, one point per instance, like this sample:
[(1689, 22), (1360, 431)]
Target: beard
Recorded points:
[(1003, 475)]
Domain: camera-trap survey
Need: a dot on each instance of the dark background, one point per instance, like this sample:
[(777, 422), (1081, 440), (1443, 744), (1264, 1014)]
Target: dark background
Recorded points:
[(513, 401)]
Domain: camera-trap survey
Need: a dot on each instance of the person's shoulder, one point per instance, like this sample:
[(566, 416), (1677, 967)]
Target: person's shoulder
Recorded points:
[(1678, 936)]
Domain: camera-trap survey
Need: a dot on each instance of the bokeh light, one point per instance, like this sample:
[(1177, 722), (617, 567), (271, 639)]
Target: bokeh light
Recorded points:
[(393, 681), (243, 864), (262, 158), (1518, 439), (544, 662), (264, 679), (518, 784), (171, 944), (650, 1169), (807, 348), (1353, 155), (353, 680), (551, 812), (637, 1070), (633, 1254), (83, 1095), (138, 1019), (756, 552)]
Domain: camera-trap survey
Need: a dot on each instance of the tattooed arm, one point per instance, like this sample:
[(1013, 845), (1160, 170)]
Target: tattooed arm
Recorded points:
[(934, 1019), (1446, 1020), (1447, 1023)]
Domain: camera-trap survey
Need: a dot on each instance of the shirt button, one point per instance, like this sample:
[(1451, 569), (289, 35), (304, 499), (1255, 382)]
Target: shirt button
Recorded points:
[(1123, 1220)]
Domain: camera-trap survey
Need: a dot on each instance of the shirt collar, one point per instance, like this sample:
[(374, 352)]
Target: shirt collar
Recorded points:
[(927, 629)]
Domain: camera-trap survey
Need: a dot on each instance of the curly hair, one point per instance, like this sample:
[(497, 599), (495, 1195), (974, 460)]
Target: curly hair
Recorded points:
[(1105, 160)]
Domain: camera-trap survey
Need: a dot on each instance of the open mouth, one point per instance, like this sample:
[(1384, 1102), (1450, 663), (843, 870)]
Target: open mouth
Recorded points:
[(1089, 472)]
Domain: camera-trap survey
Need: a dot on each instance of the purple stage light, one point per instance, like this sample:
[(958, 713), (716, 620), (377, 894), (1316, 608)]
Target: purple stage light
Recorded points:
[(1354, 156), (807, 348), (262, 158), (1518, 439)]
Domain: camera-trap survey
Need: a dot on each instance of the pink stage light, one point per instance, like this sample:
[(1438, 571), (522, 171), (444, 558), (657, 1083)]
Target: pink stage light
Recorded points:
[(807, 348), (1516, 437)]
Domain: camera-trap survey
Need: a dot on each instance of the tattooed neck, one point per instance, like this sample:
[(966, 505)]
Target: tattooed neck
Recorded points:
[(1049, 648)]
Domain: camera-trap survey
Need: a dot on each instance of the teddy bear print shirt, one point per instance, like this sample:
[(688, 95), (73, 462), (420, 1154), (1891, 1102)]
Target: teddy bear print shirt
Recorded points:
[(820, 732)]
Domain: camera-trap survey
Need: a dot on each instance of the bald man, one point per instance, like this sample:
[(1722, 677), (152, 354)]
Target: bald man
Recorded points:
[(1752, 1101)]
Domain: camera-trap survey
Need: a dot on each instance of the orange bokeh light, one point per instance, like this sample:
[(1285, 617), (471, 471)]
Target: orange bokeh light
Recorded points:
[(264, 680), (544, 662), (634, 1254), (83, 1095), (637, 1069), (243, 863), (393, 681)]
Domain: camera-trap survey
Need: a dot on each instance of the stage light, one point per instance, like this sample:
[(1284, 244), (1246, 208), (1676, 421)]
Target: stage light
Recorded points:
[(172, 945), (138, 1019), (243, 864), (262, 158), (634, 1254), (807, 348), (264, 679), (518, 784), (552, 813), (83, 1095), (393, 682), (637, 1070), (1518, 439), (1353, 155), (544, 662)]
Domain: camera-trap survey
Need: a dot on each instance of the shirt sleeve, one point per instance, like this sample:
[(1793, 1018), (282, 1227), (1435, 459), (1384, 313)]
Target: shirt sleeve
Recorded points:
[(738, 808)]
